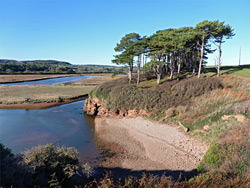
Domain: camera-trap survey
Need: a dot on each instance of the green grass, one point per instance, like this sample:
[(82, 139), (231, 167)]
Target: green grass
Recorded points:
[(242, 70), (244, 73)]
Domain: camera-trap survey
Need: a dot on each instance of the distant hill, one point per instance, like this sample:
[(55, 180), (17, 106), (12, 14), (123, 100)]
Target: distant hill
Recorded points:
[(53, 62), (53, 67)]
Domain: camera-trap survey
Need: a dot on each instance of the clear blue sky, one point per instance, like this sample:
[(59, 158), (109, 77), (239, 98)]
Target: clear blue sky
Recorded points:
[(86, 31)]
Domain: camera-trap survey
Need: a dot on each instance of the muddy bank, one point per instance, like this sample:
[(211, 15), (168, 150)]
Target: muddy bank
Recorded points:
[(141, 144), (93, 106)]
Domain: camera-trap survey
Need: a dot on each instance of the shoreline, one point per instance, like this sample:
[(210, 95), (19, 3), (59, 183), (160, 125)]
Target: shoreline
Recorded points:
[(46, 78), (144, 145), (42, 105)]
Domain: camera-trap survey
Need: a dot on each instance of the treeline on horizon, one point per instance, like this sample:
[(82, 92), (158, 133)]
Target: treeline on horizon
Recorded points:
[(52, 67), (173, 51)]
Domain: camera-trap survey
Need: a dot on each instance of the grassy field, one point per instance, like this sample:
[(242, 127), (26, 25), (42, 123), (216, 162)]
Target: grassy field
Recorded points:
[(242, 70), (40, 93), (93, 81), (15, 95)]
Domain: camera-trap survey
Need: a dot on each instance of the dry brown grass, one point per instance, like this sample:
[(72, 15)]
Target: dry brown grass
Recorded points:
[(93, 81), (22, 78), (233, 136), (213, 180), (211, 102), (236, 82), (19, 94), (16, 94)]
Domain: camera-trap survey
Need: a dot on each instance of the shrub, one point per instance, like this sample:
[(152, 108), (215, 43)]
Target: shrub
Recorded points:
[(43, 166), (48, 160), (13, 172), (195, 87)]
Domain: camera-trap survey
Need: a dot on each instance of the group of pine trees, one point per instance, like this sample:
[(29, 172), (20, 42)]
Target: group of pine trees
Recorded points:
[(173, 50)]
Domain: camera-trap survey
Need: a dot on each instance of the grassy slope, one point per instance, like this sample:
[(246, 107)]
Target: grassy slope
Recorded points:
[(220, 116)]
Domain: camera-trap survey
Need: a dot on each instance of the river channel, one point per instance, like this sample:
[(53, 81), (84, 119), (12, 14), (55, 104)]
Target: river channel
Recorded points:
[(64, 125), (52, 81)]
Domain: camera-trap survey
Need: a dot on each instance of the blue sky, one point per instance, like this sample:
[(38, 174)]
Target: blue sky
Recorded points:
[(86, 31)]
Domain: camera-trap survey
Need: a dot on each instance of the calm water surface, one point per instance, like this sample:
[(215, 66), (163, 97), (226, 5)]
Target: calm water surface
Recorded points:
[(53, 81), (63, 125)]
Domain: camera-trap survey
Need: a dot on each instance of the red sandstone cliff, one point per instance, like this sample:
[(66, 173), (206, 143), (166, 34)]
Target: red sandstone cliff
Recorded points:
[(93, 106)]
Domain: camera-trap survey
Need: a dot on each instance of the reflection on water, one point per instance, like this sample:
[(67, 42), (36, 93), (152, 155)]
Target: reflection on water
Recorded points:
[(63, 125)]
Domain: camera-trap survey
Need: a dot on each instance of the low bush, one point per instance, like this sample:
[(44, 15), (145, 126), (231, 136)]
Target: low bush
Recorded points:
[(43, 166), (13, 172), (194, 87)]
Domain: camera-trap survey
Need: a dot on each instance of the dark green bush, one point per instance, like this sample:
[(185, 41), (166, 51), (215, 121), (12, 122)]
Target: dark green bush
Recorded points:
[(42, 166), (13, 172)]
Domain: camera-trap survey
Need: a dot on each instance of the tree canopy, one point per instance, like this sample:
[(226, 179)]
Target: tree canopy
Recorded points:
[(173, 49)]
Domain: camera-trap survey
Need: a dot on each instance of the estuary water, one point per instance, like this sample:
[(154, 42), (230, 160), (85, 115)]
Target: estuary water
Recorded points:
[(64, 125), (52, 81)]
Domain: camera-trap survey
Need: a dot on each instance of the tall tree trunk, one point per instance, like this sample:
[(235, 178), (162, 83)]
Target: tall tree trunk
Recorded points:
[(179, 67), (219, 59), (130, 69), (202, 51), (172, 67), (194, 62), (159, 72), (158, 78), (143, 61), (138, 69)]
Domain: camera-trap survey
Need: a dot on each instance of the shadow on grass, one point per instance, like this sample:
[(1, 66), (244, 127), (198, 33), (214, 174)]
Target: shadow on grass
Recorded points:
[(227, 69)]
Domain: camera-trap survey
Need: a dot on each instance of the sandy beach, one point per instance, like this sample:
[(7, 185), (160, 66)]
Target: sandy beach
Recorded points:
[(142, 144)]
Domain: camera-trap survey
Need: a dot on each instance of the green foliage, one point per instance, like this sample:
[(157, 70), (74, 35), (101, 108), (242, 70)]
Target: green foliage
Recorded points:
[(52, 67), (117, 73), (13, 172), (127, 47), (211, 158), (49, 159), (5, 152), (42, 166)]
